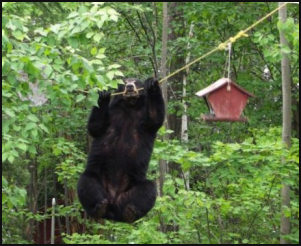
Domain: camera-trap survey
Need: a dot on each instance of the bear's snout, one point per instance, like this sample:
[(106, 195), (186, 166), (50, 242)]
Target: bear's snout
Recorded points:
[(129, 87)]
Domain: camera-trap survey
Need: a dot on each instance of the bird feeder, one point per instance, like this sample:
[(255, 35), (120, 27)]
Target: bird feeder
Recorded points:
[(225, 100)]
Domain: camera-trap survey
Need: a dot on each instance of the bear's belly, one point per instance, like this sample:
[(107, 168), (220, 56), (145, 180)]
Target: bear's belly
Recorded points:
[(128, 152), (128, 143)]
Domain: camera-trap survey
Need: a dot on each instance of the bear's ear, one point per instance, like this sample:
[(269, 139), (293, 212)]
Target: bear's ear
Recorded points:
[(129, 80)]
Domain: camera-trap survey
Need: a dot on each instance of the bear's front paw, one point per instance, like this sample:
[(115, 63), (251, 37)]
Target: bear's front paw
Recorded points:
[(104, 98), (151, 85)]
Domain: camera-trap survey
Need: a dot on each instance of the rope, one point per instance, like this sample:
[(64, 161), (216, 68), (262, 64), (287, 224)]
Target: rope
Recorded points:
[(229, 66), (221, 46), (229, 59)]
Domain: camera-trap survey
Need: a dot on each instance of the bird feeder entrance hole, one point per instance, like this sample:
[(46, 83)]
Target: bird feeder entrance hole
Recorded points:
[(226, 100)]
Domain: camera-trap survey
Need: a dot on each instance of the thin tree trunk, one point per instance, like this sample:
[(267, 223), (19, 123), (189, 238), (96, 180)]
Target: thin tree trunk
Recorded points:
[(163, 70), (184, 125), (66, 204), (32, 228), (163, 73), (29, 227), (45, 204), (176, 16), (287, 122)]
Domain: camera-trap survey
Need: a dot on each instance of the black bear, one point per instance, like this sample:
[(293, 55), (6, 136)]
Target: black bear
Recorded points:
[(124, 127)]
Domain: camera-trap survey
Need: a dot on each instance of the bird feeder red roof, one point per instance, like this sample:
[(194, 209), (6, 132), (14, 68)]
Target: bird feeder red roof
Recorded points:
[(226, 100)]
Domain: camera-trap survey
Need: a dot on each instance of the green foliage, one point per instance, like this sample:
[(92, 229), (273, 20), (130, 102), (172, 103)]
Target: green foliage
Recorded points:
[(72, 162), (83, 238), (13, 200), (56, 55), (12, 196), (46, 67), (237, 184)]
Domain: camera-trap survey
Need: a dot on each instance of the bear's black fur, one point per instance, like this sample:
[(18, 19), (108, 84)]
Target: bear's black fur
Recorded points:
[(124, 127)]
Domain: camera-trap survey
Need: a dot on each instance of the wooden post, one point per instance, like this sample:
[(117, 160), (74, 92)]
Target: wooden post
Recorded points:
[(53, 221)]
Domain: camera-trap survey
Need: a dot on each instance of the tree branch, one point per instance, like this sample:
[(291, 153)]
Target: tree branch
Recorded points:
[(153, 44), (131, 25), (150, 42)]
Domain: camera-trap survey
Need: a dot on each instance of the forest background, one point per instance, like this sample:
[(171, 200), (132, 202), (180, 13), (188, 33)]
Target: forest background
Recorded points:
[(218, 182)]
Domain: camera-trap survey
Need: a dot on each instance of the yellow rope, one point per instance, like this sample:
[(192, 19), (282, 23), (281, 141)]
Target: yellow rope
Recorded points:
[(221, 46)]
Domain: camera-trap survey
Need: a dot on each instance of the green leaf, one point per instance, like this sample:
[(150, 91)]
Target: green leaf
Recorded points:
[(16, 128), (98, 3), (114, 83), (84, 25), (10, 25), (98, 62), (113, 66), (34, 133), (22, 146), (9, 112), (74, 42), (9, 47), (33, 118), (11, 158), (44, 128), (119, 73), (113, 14), (31, 69), (55, 28), (114, 18), (99, 56), (75, 30), (18, 35), (101, 51), (32, 149), (56, 151), (93, 51), (79, 98), (30, 126), (47, 71), (4, 156), (89, 34), (72, 14), (110, 75), (41, 31), (97, 37)]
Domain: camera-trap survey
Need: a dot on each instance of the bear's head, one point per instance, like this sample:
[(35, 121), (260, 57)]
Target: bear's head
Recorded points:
[(132, 87), (132, 91)]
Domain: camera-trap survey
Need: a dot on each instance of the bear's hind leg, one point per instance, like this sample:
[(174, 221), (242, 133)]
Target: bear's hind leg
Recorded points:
[(92, 195), (136, 202)]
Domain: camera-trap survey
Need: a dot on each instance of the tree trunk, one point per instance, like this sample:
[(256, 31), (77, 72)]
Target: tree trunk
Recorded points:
[(66, 204), (163, 73), (287, 122), (176, 18), (45, 205), (184, 125), (33, 199)]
